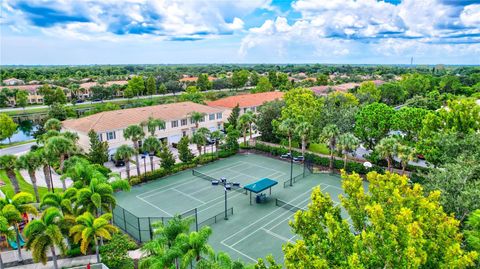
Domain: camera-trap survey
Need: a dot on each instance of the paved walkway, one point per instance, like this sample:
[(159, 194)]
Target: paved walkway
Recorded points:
[(41, 182)]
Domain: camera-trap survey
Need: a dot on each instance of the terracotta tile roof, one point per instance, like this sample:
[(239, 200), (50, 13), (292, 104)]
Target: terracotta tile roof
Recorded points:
[(194, 79), (29, 88), (246, 100), (321, 90), (88, 85), (120, 119)]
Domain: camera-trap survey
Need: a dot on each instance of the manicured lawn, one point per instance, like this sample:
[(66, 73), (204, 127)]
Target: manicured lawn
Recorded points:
[(24, 186), (3, 146), (319, 148)]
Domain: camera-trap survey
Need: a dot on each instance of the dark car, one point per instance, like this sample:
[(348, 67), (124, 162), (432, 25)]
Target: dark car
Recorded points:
[(298, 159), (118, 163), (286, 156), (80, 101)]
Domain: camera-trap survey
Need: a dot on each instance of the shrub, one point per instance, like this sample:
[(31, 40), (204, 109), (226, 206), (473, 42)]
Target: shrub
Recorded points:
[(115, 253), (74, 252)]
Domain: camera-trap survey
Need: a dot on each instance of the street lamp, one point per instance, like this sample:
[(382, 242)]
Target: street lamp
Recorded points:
[(291, 169), (144, 157)]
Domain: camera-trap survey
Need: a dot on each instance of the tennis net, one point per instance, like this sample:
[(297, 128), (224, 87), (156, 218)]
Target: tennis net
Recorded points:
[(202, 175), (287, 206)]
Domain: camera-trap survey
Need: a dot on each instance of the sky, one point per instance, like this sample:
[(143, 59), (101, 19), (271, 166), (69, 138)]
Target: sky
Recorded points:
[(76, 32)]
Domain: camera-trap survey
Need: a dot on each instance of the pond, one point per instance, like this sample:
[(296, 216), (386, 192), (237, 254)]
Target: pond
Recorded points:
[(25, 131)]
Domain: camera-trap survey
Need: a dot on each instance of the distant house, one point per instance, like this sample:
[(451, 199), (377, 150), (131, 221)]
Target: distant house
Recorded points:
[(246, 102), (13, 81), (85, 87), (326, 89), (34, 97), (194, 79)]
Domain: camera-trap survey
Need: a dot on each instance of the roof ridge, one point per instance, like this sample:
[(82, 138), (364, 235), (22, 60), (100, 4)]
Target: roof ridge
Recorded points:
[(93, 125)]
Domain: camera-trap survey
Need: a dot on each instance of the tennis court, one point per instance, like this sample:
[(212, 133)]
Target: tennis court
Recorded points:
[(251, 231)]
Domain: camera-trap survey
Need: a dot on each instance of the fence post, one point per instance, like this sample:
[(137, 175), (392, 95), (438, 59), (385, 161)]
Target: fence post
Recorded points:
[(196, 220), (150, 228), (139, 232), (124, 220)]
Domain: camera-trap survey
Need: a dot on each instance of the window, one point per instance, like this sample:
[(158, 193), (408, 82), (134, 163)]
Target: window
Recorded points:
[(111, 135), (183, 122), (175, 124), (211, 117), (202, 119), (184, 133), (100, 137), (219, 115)]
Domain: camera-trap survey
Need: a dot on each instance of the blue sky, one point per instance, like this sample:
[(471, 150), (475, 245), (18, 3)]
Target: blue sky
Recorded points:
[(239, 31)]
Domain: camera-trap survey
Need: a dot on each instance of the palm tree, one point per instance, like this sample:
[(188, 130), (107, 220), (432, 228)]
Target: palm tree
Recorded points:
[(196, 117), (12, 209), (44, 234), (72, 136), (243, 124), (206, 134), (245, 121), (152, 125), (386, 149), (52, 124), (406, 154), (329, 135), (125, 152), (347, 143), (6, 232), (220, 260), (304, 130), (217, 136), (89, 228), (97, 196), (60, 147), (199, 140), (152, 145), (7, 163), (195, 244), (135, 133), (31, 162), (63, 201), (287, 127), (45, 163)]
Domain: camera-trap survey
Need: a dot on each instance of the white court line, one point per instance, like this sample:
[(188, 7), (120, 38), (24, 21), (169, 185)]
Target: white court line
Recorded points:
[(271, 175), (276, 235), (188, 195), (238, 251), (169, 215)]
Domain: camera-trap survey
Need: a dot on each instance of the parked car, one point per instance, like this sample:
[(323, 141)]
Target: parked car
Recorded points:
[(298, 159), (118, 163), (80, 101), (286, 156)]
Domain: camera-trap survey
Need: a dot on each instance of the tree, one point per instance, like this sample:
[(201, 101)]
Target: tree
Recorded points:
[(89, 229), (114, 254), (450, 84), (12, 209), (135, 133), (200, 140), (406, 154), (151, 85), (46, 160), (368, 92), (205, 132), (52, 124), (267, 113), (95, 197), (240, 78), (415, 84), (184, 153), (5, 232), (152, 125), (98, 149), (272, 78), (192, 94), (21, 99), (195, 245), (59, 147), (220, 260), (173, 86), (263, 85), (52, 96), (217, 136), (31, 162), (373, 122), (63, 201), (162, 89), (340, 109), (136, 86), (7, 127), (231, 141), (302, 105), (197, 117), (233, 118), (57, 111), (254, 78), (287, 128), (304, 131), (409, 121), (167, 161), (245, 123), (203, 83), (392, 93), (152, 146), (321, 79), (472, 231), (348, 144), (125, 152), (396, 226), (330, 135), (8, 163), (387, 148), (44, 234)]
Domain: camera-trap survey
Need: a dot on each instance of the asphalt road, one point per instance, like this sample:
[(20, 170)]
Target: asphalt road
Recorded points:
[(17, 150)]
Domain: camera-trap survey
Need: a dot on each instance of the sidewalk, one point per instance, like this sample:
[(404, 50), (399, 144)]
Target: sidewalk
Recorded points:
[(11, 256)]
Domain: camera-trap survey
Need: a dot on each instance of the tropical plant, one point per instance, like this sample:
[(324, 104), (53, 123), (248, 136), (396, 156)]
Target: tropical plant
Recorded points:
[(405, 154), (386, 149), (243, 125), (63, 201), (31, 162), (199, 140), (217, 136), (206, 134), (472, 230), (220, 260), (125, 152), (6, 232), (152, 145), (45, 163), (184, 153), (12, 209), (347, 143), (287, 128), (249, 119), (89, 229), (195, 244), (96, 197), (44, 234), (52, 124), (152, 124), (196, 117), (330, 135), (304, 130), (135, 133), (167, 161), (8, 163), (59, 147)]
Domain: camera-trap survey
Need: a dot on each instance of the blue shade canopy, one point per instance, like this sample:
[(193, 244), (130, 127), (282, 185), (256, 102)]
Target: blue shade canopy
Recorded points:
[(260, 185)]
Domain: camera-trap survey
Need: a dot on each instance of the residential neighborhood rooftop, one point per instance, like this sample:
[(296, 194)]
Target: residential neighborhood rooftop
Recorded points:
[(344, 87), (88, 85), (119, 119), (246, 100)]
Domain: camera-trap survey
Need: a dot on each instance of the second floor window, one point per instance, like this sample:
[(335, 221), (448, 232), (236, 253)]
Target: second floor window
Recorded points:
[(175, 124), (211, 117), (219, 116), (111, 135), (183, 122)]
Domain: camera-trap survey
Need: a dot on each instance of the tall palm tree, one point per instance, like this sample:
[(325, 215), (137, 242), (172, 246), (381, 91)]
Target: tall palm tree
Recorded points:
[(304, 131), (329, 135), (206, 134), (195, 244), (7, 163), (6, 232), (386, 149), (242, 124), (196, 117), (406, 154), (72, 136), (152, 145), (287, 127), (60, 147), (245, 121), (199, 140), (52, 124), (135, 133), (31, 162), (45, 163), (217, 136), (220, 260), (89, 228), (63, 201), (12, 209), (44, 234), (125, 152), (96, 197), (152, 124), (347, 143)]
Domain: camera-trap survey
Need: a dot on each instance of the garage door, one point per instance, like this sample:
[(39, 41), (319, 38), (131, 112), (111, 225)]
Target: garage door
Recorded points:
[(174, 139)]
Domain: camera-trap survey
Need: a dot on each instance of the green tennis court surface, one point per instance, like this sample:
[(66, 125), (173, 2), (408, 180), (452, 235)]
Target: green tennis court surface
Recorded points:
[(253, 231)]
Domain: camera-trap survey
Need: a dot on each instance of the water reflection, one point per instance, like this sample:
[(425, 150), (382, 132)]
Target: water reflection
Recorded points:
[(25, 131)]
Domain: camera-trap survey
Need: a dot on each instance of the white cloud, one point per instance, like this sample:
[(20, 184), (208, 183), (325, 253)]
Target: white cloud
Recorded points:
[(470, 15)]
